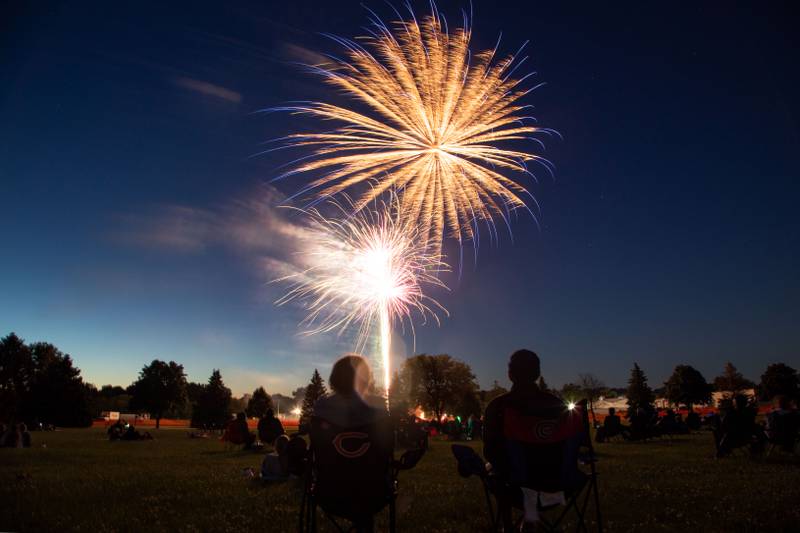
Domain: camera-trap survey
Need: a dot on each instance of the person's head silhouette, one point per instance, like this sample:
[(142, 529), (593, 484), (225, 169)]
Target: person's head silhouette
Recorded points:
[(523, 367), (351, 375), (611, 411), (270, 413)]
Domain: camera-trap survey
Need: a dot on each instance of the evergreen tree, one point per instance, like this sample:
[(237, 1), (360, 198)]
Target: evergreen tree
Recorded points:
[(687, 386), (16, 375), (259, 403), (640, 395), (212, 409), (732, 383), (314, 391)]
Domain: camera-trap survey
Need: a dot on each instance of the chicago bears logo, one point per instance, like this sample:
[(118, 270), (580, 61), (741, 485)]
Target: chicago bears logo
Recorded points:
[(339, 444), (544, 429)]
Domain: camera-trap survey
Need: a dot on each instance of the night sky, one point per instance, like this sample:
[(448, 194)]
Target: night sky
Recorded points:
[(137, 220)]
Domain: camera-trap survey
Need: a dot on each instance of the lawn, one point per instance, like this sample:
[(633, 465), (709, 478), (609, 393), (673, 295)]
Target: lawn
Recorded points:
[(80, 481)]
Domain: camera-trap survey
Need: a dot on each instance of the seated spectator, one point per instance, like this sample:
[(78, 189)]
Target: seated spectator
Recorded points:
[(11, 437), (276, 464), (526, 399), (238, 433), (116, 431), (131, 434), (612, 427), (296, 455), (643, 423), (350, 404), (738, 427), (352, 442), (783, 424), (24, 436), (269, 428)]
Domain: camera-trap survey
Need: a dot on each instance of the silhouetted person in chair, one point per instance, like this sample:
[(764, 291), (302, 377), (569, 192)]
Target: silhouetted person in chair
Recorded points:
[(270, 428), (535, 469), (612, 426), (351, 404), (525, 396), (351, 441)]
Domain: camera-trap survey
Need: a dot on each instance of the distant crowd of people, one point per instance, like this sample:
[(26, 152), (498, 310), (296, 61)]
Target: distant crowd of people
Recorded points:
[(124, 431), (15, 436)]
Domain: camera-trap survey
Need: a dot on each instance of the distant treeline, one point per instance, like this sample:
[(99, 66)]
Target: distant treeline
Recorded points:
[(40, 385)]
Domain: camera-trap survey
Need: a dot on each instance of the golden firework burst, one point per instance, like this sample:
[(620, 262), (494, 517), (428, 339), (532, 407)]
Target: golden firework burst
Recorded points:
[(436, 114)]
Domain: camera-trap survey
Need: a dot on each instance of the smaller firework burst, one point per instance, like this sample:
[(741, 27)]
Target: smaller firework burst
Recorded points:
[(364, 270)]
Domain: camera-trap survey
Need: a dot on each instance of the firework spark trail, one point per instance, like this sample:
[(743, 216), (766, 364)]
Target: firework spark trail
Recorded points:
[(364, 270), (437, 114)]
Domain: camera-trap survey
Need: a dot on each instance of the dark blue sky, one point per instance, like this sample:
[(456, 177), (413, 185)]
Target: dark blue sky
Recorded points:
[(136, 225)]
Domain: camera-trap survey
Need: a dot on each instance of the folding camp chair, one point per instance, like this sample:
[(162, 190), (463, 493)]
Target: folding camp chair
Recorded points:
[(351, 476), (529, 435), (783, 432)]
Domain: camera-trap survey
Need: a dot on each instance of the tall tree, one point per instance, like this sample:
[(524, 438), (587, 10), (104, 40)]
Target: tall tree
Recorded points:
[(212, 407), (592, 388), (259, 403), (686, 386), (640, 395), (314, 391), (440, 383), (161, 386), (779, 380), (732, 383), (58, 394), (110, 398), (16, 374), (571, 392)]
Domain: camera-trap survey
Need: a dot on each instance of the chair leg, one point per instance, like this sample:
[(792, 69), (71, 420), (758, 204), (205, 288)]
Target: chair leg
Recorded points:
[(494, 519), (301, 524), (392, 516), (597, 505)]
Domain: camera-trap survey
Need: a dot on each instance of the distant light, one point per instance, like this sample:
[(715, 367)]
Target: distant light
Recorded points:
[(571, 406), (296, 411)]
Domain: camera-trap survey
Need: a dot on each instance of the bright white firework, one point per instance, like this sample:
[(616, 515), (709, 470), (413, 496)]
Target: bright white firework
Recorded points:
[(362, 271)]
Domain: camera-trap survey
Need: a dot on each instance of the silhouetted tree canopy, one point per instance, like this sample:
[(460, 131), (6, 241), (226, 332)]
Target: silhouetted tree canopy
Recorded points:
[(732, 382), (258, 404), (314, 391), (779, 379), (39, 383), (591, 388), (211, 407), (161, 386), (640, 395), (686, 386), (489, 395), (441, 384)]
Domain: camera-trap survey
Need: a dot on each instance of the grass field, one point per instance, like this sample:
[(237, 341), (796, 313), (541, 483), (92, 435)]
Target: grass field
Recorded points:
[(80, 481)]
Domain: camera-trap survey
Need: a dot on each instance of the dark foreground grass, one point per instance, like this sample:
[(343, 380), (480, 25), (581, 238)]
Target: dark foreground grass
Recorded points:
[(80, 481)]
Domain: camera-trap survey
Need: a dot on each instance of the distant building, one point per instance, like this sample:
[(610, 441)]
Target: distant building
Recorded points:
[(717, 397)]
